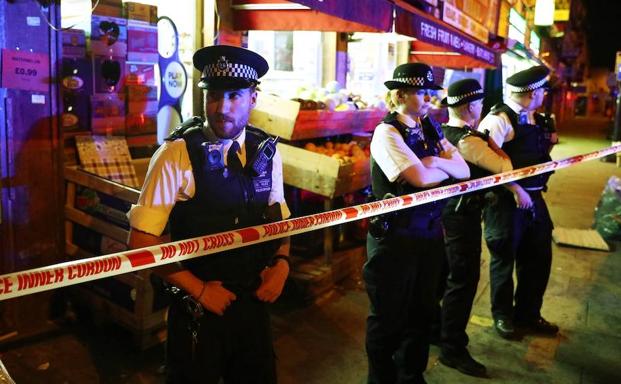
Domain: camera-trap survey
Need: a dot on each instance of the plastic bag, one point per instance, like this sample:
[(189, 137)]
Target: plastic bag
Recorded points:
[(608, 210)]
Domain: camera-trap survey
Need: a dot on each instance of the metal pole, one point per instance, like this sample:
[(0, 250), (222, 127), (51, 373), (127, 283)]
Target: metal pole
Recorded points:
[(616, 132)]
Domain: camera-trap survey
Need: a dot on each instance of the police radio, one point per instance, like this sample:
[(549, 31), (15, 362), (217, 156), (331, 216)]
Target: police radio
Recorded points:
[(433, 130), (264, 154)]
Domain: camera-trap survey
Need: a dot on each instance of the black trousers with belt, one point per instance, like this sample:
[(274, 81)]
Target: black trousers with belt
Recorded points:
[(462, 238), (236, 347), (401, 280), (522, 237)]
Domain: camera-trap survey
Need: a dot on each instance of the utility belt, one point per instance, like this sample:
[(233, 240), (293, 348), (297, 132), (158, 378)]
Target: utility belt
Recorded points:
[(467, 202), (407, 221)]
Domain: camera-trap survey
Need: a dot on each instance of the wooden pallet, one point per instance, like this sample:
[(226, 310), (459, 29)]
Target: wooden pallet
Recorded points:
[(315, 277)]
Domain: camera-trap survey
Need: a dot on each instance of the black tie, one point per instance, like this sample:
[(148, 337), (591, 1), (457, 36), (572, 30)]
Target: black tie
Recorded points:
[(232, 159)]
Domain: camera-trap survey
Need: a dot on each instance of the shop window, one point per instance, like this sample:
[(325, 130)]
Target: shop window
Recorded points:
[(295, 60), (517, 26), (76, 14), (371, 60)]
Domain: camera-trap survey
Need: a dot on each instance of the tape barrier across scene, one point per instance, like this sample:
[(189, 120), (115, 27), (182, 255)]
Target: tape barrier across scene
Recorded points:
[(79, 271)]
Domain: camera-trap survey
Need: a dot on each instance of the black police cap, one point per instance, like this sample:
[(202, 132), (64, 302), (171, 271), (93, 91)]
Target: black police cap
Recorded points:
[(462, 92), (412, 75), (228, 67), (528, 79)]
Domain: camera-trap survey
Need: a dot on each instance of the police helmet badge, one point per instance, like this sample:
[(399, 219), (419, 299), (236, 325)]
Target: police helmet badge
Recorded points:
[(430, 76), (213, 156), (222, 63)]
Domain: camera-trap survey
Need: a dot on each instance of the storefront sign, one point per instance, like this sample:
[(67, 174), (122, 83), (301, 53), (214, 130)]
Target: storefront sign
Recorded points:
[(458, 19), (426, 30), (561, 10), (375, 13), (25, 70)]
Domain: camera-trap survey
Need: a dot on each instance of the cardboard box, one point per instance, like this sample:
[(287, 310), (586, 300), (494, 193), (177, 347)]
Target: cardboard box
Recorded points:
[(109, 36), (108, 114), (139, 74), (108, 74), (141, 93), (148, 107), (142, 42), (74, 43), (142, 12), (113, 8), (140, 124)]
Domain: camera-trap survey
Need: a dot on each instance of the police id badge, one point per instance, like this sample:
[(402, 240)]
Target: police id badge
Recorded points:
[(213, 154)]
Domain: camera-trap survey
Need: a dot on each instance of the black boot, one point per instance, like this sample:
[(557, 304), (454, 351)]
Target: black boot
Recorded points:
[(464, 363)]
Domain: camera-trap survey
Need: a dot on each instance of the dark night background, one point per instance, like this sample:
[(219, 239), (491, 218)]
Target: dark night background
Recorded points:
[(603, 29)]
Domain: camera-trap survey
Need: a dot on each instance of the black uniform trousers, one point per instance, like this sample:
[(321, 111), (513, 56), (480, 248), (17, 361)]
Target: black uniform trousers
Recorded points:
[(523, 237), (401, 276), (462, 239), (236, 347)]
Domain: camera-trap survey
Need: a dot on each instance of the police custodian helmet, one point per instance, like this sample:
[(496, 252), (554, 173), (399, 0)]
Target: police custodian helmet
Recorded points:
[(412, 75), (528, 79), (228, 67), (462, 92)]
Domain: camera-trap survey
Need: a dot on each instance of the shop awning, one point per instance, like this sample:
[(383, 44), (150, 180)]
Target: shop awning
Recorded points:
[(313, 15), (440, 44)]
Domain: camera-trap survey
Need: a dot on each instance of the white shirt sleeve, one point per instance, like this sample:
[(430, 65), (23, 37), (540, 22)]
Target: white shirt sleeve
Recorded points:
[(390, 151), (169, 179), (476, 151), (277, 194), (499, 126)]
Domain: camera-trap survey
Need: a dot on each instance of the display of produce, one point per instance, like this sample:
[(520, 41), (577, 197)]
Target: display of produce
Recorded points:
[(345, 152), (334, 98)]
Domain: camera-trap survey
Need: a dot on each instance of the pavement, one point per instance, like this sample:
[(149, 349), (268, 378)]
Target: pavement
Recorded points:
[(324, 342)]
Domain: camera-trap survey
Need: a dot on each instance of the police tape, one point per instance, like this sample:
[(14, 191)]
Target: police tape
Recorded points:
[(83, 270)]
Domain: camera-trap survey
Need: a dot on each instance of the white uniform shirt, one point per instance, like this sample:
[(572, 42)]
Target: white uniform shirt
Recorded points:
[(476, 151), (500, 127), (390, 151), (170, 179)]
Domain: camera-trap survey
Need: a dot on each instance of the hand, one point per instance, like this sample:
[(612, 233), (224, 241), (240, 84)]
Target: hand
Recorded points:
[(215, 298), (273, 281), (429, 162), (522, 199)]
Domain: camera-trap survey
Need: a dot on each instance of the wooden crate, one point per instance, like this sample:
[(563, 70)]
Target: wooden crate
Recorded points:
[(282, 117), (135, 307), (321, 174)]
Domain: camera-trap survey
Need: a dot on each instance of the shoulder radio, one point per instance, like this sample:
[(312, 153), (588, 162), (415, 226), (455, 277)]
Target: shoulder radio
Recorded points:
[(264, 154)]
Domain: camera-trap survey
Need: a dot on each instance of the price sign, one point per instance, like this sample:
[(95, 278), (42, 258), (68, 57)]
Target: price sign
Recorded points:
[(28, 71)]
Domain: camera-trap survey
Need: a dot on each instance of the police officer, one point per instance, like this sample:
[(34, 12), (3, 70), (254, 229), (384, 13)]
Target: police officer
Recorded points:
[(521, 232), (208, 179), (405, 251), (461, 219)]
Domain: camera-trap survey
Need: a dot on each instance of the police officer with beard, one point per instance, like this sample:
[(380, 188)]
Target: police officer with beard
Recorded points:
[(520, 232), (208, 179), (405, 251)]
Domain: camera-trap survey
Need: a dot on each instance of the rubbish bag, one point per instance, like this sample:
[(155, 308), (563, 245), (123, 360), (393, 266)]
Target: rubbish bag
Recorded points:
[(608, 210)]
